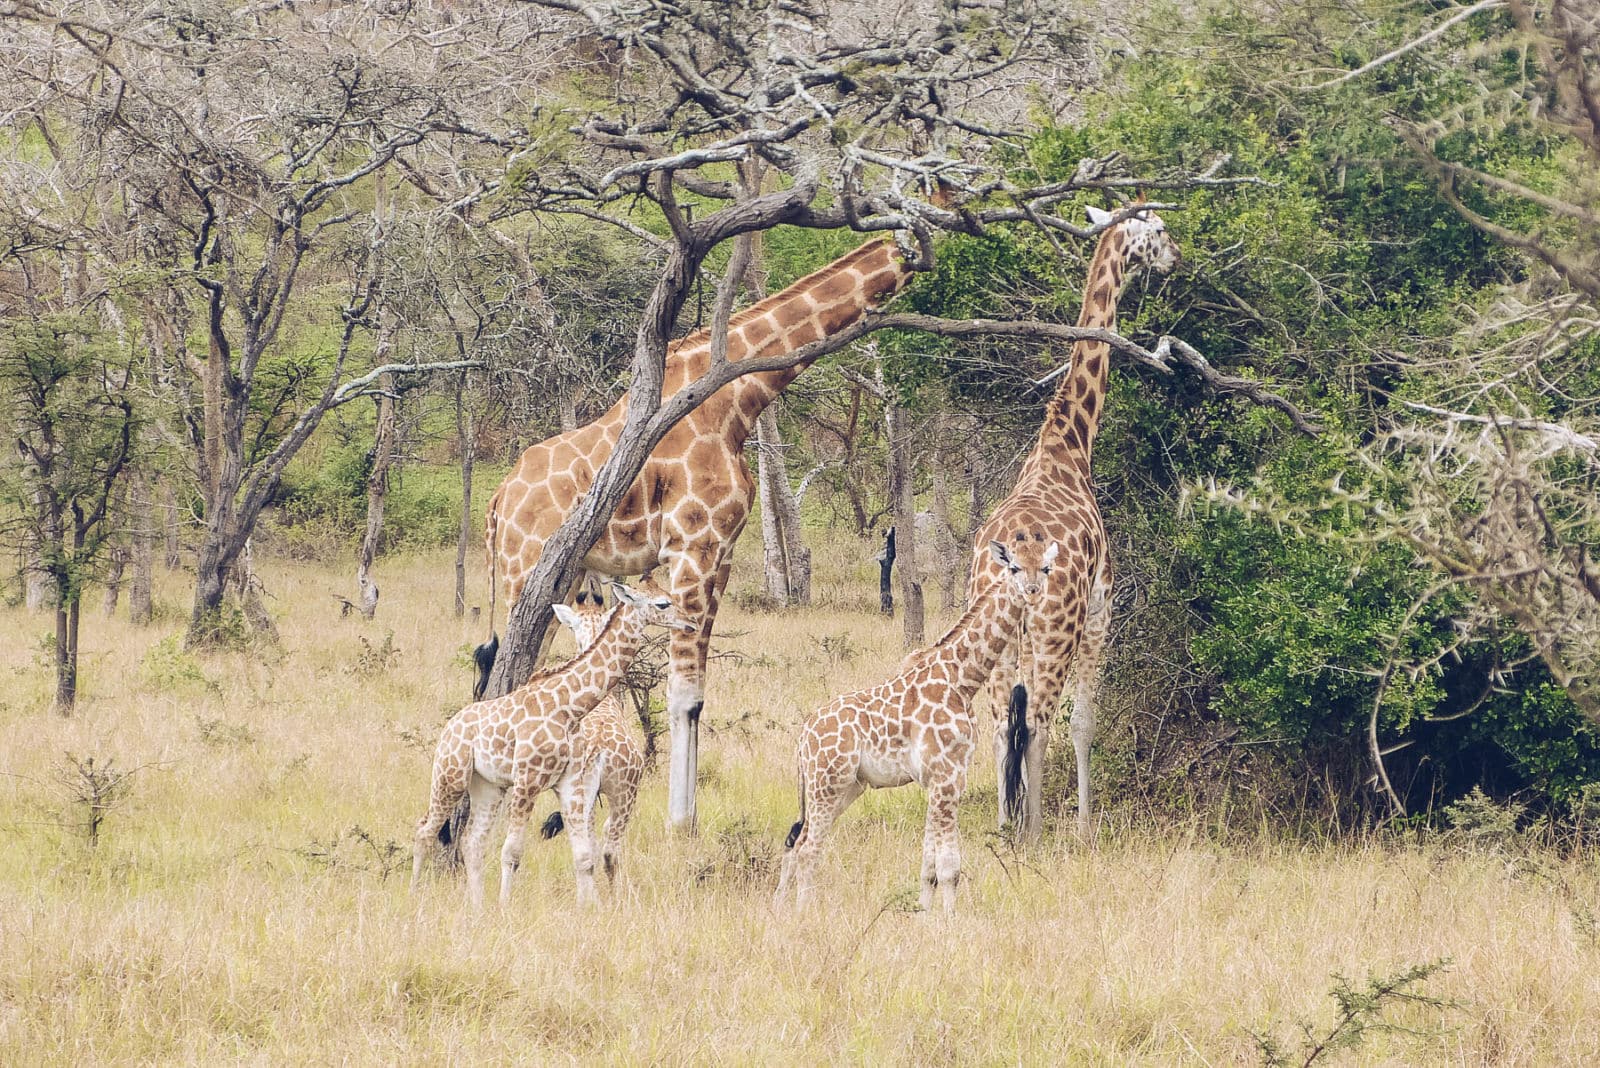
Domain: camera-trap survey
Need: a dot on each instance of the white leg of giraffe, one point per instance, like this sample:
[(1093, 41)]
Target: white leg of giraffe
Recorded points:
[(1086, 678), (696, 595), (475, 835), (519, 806), (943, 832), (577, 791)]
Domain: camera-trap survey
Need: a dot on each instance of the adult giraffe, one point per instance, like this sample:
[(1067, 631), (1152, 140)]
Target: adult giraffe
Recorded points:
[(1054, 502), (690, 502)]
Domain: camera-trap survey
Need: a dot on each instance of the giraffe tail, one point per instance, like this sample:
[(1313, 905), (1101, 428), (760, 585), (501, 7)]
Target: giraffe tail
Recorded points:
[(483, 656), (552, 826), (799, 824), (1017, 737)]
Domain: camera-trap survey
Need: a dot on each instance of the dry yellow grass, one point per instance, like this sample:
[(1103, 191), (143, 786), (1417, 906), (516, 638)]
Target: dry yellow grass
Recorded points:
[(229, 914)]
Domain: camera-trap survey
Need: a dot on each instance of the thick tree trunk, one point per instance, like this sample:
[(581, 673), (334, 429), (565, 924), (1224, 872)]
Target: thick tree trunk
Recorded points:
[(788, 560), (377, 494), (886, 575), (465, 441), (898, 433)]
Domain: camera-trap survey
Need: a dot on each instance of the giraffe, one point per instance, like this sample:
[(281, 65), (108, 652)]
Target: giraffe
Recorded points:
[(528, 741), (1054, 500), (612, 761), (917, 727), (690, 502)]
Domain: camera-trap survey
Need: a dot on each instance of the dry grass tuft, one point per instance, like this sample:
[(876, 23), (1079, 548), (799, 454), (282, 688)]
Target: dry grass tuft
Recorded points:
[(246, 901)]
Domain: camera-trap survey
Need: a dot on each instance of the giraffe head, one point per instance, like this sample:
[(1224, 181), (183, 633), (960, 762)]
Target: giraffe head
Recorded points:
[(586, 617), (656, 608), (1026, 566), (1147, 243)]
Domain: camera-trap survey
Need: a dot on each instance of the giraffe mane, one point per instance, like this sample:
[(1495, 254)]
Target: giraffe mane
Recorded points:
[(545, 673)]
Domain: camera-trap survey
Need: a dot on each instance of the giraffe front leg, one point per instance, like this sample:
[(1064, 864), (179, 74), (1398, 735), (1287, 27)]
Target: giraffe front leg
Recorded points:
[(519, 805), (944, 835), (577, 791), (696, 594)]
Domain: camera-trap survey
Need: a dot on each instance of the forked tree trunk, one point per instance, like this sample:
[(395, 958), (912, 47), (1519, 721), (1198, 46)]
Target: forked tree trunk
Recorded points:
[(788, 561), (377, 494), (466, 441)]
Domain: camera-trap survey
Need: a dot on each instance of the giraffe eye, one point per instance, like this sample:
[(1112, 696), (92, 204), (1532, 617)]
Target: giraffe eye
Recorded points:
[(663, 603), (1015, 568), (1044, 571)]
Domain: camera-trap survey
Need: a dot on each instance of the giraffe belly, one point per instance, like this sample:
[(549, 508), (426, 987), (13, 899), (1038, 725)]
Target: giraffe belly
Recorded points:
[(886, 769)]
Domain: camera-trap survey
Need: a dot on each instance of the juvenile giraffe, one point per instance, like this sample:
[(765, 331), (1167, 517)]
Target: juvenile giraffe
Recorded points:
[(527, 742), (1054, 501), (917, 727), (612, 763), (690, 502)]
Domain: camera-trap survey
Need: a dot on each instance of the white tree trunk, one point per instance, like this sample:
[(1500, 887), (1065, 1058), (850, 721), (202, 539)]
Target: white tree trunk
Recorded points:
[(901, 469), (788, 560)]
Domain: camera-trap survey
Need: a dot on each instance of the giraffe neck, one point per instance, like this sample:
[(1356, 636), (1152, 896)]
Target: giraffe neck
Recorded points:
[(1072, 418), (974, 643), (819, 305), (581, 682)]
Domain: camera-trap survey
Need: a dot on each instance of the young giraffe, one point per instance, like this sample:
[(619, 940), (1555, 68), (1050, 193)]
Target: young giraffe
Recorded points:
[(612, 763), (1054, 501), (689, 504), (527, 742), (917, 727)]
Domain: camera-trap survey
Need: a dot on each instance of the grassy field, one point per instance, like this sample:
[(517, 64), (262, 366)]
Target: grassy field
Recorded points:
[(246, 899)]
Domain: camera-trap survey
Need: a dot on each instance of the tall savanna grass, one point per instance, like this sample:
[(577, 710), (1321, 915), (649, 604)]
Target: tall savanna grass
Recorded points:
[(245, 898)]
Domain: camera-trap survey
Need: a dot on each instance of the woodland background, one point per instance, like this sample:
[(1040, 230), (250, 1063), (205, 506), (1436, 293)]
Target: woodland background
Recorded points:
[(286, 287)]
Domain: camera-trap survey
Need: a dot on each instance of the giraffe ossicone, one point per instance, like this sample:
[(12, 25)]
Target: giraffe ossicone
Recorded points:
[(1054, 501), (689, 504), (916, 727), (516, 746)]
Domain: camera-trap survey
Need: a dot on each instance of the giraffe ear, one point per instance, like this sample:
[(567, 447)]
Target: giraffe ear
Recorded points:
[(566, 615), (1001, 556), (1098, 216), (1050, 554), (625, 595)]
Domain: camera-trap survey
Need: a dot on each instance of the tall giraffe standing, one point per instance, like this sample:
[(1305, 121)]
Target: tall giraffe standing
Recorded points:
[(1054, 502), (690, 502), (917, 727), (528, 741)]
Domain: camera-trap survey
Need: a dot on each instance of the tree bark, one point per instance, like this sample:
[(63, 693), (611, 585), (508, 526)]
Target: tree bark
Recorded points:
[(788, 560), (172, 556), (466, 443), (898, 433), (118, 563), (377, 492), (140, 607)]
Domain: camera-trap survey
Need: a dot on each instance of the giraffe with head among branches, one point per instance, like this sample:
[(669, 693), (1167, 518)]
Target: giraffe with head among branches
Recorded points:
[(517, 746), (689, 504), (1053, 501), (917, 727)]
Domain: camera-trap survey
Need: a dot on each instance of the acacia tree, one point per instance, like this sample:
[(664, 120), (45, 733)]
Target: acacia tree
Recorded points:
[(67, 390), (825, 100)]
